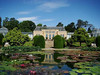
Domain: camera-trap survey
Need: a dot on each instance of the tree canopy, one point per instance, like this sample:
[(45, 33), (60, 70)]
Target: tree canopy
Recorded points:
[(70, 27), (80, 35), (39, 24), (15, 38), (10, 23), (59, 24), (27, 26)]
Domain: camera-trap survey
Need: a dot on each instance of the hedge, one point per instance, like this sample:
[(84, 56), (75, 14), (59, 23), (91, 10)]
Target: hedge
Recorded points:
[(39, 41), (17, 49), (91, 49), (58, 41), (1, 37), (98, 41)]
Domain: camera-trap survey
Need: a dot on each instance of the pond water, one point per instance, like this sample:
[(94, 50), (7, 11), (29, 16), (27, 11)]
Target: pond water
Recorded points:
[(66, 60), (61, 62)]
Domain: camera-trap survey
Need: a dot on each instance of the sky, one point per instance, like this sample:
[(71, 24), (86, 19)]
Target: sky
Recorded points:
[(51, 12)]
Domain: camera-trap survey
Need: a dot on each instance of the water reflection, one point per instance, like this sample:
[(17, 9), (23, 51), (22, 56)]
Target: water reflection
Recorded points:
[(49, 58)]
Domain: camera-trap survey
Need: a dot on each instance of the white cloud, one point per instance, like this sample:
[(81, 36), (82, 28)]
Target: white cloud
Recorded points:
[(27, 18), (24, 12), (50, 6)]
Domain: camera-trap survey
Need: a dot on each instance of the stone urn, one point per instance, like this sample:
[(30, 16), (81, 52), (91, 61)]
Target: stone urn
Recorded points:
[(6, 44)]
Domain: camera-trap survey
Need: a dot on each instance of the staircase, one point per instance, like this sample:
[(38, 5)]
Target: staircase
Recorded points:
[(49, 43)]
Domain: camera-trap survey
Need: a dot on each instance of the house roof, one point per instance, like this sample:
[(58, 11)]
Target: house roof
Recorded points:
[(38, 28), (3, 30)]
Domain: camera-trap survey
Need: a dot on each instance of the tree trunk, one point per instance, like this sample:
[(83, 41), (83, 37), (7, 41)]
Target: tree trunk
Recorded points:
[(80, 44)]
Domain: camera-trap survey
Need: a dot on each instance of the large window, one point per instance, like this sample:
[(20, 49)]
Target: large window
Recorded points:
[(53, 36)]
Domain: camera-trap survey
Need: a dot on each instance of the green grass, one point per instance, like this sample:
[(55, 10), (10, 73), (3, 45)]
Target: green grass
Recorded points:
[(77, 44), (36, 52)]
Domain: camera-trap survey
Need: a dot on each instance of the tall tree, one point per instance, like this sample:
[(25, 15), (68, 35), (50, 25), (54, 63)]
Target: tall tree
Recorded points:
[(80, 35), (59, 24), (0, 22), (27, 26), (83, 24), (70, 27), (10, 23)]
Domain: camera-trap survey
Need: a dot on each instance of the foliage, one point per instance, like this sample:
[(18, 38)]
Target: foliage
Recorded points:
[(98, 41), (18, 49), (70, 27), (86, 68), (1, 38), (27, 26), (15, 38), (10, 23), (58, 42), (70, 41), (59, 24), (91, 48), (39, 24), (30, 43), (90, 40), (80, 35), (39, 41)]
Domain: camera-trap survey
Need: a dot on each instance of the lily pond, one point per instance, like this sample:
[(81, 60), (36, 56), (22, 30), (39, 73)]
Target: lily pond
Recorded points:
[(51, 62)]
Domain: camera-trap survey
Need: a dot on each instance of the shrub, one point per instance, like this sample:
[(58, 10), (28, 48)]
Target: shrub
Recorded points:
[(1, 37), (30, 43), (15, 38), (18, 49), (91, 49), (98, 41), (58, 41), (39, 41)]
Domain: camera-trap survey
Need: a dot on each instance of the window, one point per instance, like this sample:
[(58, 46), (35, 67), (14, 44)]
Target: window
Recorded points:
[(49, 36), (63, 35), (53, 35)]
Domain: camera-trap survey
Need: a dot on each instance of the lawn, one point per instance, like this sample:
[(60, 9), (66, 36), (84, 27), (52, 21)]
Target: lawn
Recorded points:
[(77, 44)]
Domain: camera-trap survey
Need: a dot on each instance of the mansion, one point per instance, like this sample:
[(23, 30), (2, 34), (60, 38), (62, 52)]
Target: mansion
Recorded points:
[(50, 32)]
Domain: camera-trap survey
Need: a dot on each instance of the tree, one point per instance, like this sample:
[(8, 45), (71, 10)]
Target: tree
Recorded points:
[(84, 24), (0, 22), (89, 30), (70, 27), (59, 24), (98, 41), (80, 35), (39, 41), (58, 42), (39, 24), (27, 26), (1, 37), (10, 23), (15, 38)]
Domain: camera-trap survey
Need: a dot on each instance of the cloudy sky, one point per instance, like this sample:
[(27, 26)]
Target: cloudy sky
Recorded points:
[(50, 12)]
